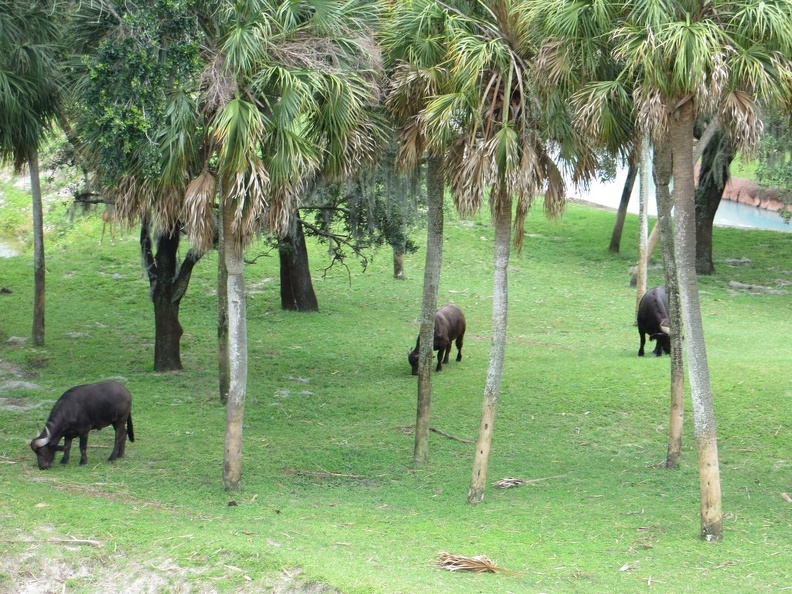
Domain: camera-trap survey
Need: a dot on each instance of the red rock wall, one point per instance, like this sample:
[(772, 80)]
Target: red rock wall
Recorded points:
[(747, 192)]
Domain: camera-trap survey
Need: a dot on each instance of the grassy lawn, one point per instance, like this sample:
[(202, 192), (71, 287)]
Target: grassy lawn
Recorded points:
[(330, 500)]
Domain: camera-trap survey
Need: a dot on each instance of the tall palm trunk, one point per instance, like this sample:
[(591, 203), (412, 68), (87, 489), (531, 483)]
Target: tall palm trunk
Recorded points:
[(662, 178), (500, 297), (698, 371), (643, 224), (224, 364), (237, 340), (39, 271), (434, 262)]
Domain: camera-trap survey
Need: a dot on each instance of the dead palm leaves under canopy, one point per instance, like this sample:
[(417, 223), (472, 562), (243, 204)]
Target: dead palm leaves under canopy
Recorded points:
[(477, 564)]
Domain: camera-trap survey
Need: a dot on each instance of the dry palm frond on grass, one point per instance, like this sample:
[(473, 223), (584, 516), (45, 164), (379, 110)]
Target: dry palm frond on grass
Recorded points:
[(508, 482), (477, 564)]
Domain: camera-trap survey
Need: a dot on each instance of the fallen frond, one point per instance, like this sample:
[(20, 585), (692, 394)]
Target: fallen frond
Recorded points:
[(477, 564), (508, 482)]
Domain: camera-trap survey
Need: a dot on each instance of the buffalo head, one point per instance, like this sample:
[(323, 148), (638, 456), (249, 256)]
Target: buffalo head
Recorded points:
[(45, 452)]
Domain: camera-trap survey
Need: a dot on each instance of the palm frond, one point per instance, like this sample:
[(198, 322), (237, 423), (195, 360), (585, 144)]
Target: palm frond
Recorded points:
[(198, 211), (477, 564)]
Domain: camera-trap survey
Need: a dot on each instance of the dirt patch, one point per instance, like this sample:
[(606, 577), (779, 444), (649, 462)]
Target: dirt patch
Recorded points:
[(32, 572), (19, 404), (30, 567), (738, 288)]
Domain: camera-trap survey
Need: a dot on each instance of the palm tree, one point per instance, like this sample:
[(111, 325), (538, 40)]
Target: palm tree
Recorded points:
[(415, 42), (708, 57), (29, 104), (679, 60), (493, 134), (289, 91)]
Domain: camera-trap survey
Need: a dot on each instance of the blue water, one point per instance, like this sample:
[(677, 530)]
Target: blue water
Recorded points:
[(730, 214)]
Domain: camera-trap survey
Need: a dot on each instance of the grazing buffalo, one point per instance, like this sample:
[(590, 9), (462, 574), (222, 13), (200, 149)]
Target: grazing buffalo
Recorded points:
[(79, 410), (653, 320), (449, 325)]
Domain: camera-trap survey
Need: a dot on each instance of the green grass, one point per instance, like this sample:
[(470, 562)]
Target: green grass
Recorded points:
[(330, 495)]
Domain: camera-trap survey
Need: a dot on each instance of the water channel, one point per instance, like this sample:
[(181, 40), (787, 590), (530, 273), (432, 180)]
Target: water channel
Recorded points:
[(730, 214), (608, 194)]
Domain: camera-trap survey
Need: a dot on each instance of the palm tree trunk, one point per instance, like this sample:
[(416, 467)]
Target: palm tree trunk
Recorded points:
[(643, 224), (39, 271), (698, 371), (224, 364), (500, 297), (621, 213), (237, 340), (434, 262), (662, 178)]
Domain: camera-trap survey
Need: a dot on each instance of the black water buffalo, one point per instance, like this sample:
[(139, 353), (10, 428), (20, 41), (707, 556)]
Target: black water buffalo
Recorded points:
[(449, 325), (80, 409), (653, 320)]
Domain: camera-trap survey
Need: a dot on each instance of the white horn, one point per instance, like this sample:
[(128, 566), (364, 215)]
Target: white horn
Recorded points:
[(665, 330), (42, 441)]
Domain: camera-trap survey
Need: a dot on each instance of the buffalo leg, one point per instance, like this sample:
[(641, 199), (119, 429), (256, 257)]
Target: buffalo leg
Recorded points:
[(83, 450), (120, 440), (643, 342), (446, 353), (439, 360), (459, 348), (66, 449)]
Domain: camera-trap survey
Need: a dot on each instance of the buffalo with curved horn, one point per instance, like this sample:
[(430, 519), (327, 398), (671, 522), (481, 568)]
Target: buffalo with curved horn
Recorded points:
[(80, 409)]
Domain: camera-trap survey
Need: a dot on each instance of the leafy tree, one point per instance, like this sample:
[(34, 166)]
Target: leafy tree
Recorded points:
[(30, 97), (774, 163), (136, 127)]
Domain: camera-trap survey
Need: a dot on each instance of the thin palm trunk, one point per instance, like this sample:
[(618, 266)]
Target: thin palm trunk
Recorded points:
[(39, 271), (621, 212), (698, 371), (500, 297), (643, 223), (237, 340), (434, 261), (662, 178), (224, 365)]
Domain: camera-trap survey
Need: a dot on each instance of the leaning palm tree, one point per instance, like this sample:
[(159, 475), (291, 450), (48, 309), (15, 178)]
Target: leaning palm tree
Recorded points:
[(29, 103), (289, 91)]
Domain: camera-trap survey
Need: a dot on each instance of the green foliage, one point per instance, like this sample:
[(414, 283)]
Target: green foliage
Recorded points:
[(141, 66), (774, 166), (328, 486)]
